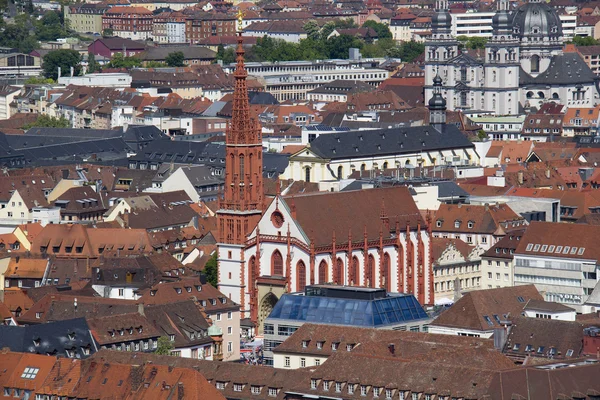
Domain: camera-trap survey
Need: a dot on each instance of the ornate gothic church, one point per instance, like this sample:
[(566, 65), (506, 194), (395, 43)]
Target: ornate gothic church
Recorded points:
[(523, 66), (374, 238)]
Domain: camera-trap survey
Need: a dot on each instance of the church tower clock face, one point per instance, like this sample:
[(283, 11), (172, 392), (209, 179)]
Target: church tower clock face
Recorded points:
[(277, 219)]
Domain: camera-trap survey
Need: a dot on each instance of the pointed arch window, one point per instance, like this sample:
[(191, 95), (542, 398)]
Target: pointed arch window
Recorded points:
[(354, 272), (276, 263), (339, 272), (323, 272), (300, 276)]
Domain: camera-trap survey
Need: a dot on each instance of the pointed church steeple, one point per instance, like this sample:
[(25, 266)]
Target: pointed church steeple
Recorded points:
[(241, 206)]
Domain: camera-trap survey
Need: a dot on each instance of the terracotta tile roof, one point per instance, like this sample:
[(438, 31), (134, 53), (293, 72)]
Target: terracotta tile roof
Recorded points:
[(471, 310), (59, 307), (25, 371), (184, 320), (575, 241), (538, 337), (505, 247), (121, 328), (16, 299), (321, 214), (172, 292), (128, 10), (365, 340), (492, 219), (22, 267), (510, 151)]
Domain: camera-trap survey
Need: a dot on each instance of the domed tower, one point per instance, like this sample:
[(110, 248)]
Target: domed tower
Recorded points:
[(538, 28), (440, 48), (437, 106), (501, 65)]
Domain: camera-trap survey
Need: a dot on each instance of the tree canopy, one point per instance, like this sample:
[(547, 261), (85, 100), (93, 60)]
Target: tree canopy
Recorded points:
[(119, 61), (47, 121), (383, 31), (211, 270), (585, 41), (164, 346), (65, 59), (472, 42), (175, 59)]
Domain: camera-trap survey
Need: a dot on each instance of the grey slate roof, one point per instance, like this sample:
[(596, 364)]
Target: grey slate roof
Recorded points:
[(340, 86), (565, 69), (379, 142), (50, 338), (448, 189)]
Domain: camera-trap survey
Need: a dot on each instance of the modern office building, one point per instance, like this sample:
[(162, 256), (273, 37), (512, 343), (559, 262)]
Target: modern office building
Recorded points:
[(294, 79), (342, 305)]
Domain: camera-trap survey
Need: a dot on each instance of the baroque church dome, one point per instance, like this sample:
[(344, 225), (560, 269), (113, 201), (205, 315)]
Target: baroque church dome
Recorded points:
[(536, 20)]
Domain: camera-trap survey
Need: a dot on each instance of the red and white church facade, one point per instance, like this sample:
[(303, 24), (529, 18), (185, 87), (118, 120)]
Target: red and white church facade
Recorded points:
[(374, 237)]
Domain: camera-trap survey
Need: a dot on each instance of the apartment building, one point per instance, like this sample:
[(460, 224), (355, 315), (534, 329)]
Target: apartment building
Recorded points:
[(561, 260), (292, 80), (169, 27), (479, 24), (205, 25), (128, 22), (86, 17), (591, 56)]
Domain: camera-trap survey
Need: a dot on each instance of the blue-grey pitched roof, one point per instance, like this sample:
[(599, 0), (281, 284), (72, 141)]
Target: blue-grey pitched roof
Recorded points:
[(564, 69), (51, 338), (448, 189), (380, 142)]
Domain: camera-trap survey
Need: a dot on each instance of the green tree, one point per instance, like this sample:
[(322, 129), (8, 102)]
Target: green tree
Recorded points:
[(93, 65), (50, 27), (108, 32), (164, 346), (312, 29), (472, 42), (383, 31), (154, 64), (338, 47), (175, 59), (46, 121), (211, 270), (65, 59), (118, 61), (38, 80), (407, 51), (584, 41)]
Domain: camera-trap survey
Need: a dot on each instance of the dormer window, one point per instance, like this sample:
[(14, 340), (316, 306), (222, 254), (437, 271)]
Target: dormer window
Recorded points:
[(320, 345), (349, 347), (188, 289), (178, 290), (213, 302), (153, 293), (305, 343), (223, 300), (220, 385), (334, 346), (438, 223), (198, 288), (313, 383), (457, 224), (470, 224), (172, 338)]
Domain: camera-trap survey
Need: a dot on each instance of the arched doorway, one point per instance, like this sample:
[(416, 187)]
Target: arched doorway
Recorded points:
[(276, 264), (340, 172), (323, 272), (370, 272), (266, 306), (300, 276)]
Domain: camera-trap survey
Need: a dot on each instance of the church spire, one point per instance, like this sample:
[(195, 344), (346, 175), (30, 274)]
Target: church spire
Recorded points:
[(242, 201), (437, 106)]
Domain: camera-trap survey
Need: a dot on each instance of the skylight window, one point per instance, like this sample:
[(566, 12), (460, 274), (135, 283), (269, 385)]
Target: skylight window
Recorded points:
[(529, 247), (573, 250), (520, 299), (488, 320), (30, 373), (566, 250), (551, 249), (544, 248), (558, 249), (536, 247), (581, 250)]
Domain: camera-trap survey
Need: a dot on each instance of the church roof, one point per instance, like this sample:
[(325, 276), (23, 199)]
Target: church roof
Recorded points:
[(323, 213), (565, 69), (380, 142)]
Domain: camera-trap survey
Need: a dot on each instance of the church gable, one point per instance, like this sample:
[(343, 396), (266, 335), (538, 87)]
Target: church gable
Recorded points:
[(276, 221)]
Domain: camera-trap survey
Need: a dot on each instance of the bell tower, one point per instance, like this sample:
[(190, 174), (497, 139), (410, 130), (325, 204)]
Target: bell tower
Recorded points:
[(240, 208)]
